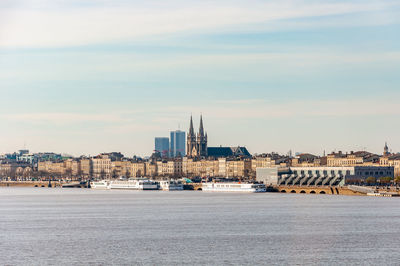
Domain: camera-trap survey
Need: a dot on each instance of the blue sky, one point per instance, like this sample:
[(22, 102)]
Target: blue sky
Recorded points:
[(84, 77)]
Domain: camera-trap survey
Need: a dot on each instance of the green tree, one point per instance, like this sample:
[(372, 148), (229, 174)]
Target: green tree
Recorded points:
[(127, 173), (370, 180), (385, 180), (114, 174)]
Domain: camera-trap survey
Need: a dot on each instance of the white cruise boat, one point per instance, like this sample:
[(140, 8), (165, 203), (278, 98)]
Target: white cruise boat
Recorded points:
[(171, 185), (136, 184), (103, 184), (233, 187)]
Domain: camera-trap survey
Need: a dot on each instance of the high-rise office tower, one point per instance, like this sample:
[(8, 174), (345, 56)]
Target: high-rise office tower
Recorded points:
[(161, 145), (177, 143)]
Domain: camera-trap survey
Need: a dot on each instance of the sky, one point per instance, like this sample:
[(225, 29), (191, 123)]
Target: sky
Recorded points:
[(91, 76)]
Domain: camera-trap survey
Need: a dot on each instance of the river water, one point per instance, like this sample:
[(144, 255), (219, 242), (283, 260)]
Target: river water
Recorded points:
[(54, 226)]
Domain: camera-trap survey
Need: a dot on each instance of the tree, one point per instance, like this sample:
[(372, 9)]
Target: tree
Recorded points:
[(370, 180), (68, 173), (102, 174), (385, 180), (114, 174), (127, 173), (79, 174)]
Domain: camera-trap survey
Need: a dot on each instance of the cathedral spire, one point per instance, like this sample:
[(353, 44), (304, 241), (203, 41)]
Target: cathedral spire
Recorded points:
[(201, 130), (191, 130)]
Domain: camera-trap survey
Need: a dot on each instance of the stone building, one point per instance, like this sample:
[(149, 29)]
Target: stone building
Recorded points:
[(391, 160), (169, 168), (268, 160), (352, 159), (101, 166), (15, 169), (86, 168), (234, 167), (138, 169), (121, 168)]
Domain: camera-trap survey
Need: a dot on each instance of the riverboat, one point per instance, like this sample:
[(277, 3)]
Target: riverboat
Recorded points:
[(171, 185), (233, 187), (103, 184), (135, 184)]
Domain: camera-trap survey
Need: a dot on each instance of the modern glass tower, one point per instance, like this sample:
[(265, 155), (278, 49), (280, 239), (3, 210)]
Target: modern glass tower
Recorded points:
[(178, 143), (161, 145)]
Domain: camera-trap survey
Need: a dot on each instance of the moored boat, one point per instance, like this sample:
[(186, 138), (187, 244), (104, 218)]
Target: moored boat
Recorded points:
[(171, 185), (233, 187), (135, 184), (102, 184)]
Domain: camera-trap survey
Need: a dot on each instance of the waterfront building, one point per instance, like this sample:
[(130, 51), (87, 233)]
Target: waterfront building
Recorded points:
[(308, 160), (150, 169), (268, 160), (392, 160), (101, 166), (50, 167), (201, 167), (14, 169), (177, 143), (234, 167), (161, 145), (72, 167), (169, 168), (121, 169), (321, 176), (138, 169), (352, 159), (86, 169)]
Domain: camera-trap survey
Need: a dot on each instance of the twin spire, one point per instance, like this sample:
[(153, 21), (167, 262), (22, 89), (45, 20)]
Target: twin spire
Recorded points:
[(201, 129), (196, 144)]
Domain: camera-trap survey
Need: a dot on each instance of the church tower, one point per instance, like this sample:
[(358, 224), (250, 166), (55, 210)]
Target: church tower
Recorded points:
[(191, 150), (386, 150), (196, 143), (202, 140)]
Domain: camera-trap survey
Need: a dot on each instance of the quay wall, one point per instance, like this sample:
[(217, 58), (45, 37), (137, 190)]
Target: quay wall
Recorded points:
[(29, 184)]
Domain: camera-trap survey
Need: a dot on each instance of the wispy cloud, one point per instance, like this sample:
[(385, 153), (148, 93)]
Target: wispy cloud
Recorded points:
[(35, 27), (230, 109), (255, 109)]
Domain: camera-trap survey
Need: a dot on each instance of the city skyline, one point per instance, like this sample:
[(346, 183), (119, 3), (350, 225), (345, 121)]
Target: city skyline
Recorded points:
[(304, 76), (387, 147)]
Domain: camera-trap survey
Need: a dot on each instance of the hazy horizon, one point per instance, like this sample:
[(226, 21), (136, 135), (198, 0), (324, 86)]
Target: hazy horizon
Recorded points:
[(85, 77)]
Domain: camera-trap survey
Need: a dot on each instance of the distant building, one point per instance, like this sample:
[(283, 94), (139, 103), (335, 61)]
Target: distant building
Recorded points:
[(352, 159), (218, 152), (386, 150), (177, 144), (321, 176), (101, 165), (161, 145)]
